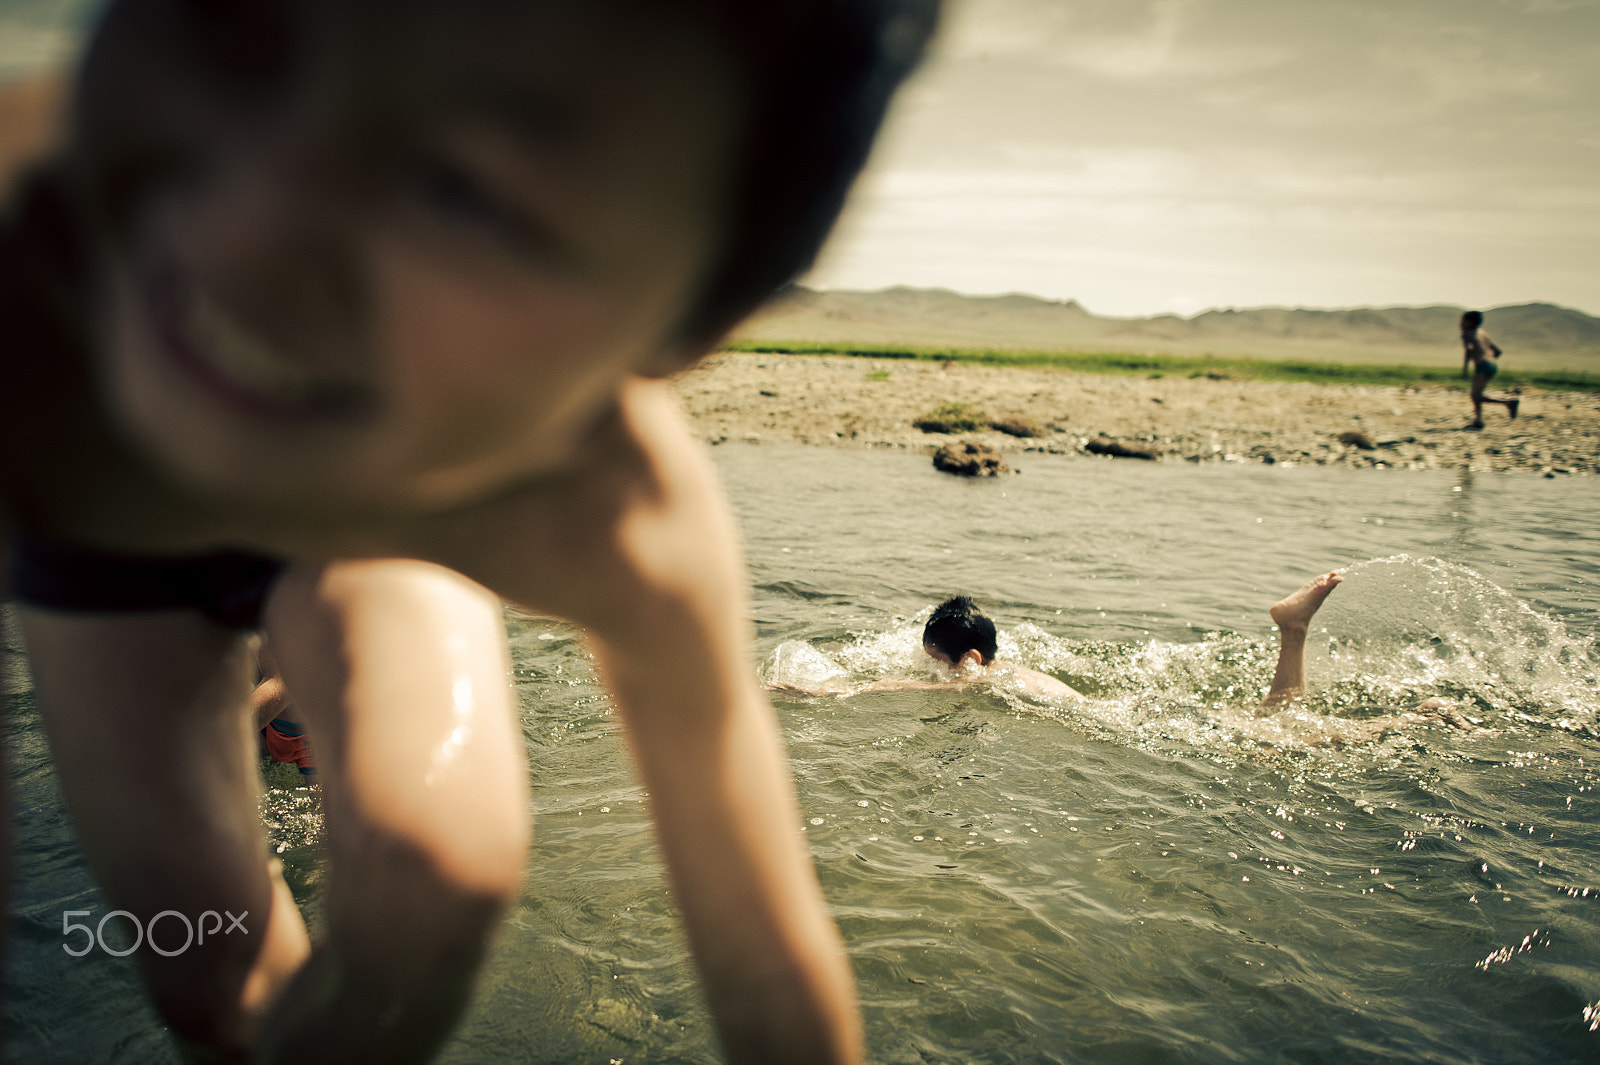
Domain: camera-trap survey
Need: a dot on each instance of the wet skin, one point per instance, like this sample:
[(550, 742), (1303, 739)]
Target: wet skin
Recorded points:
[(388, 300)]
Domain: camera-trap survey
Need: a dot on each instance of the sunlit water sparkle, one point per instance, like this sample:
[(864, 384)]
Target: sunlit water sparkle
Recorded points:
[(1144, 877)]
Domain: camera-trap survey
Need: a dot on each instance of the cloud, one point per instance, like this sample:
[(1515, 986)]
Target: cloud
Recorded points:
[(1137, 230), (1339, 64), (1118, 40), (1144, 155), (1141, 152)]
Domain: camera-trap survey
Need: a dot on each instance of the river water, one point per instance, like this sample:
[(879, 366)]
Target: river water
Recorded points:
[(1150, 876)]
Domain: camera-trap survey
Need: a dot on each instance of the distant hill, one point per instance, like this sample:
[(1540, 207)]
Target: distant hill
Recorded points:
[(1538, 336)]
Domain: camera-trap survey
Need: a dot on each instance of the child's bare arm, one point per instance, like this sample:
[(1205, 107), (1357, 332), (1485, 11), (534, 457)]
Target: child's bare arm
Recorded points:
[(1037, 684), (708, 747), (424, 795), (709, 751), (911, 685), (640, 548), (891, 685)]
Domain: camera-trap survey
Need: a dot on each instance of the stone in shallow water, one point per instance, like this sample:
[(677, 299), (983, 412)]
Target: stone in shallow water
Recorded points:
[(1103, 446), (969, 458)]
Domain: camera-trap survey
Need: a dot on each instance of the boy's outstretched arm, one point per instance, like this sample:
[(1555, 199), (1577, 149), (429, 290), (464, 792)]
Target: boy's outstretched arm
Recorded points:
[(707, 744), (708, 748), (638, 545)]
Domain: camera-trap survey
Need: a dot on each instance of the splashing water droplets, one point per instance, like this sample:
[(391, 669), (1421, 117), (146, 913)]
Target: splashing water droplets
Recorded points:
[(1401, 631)]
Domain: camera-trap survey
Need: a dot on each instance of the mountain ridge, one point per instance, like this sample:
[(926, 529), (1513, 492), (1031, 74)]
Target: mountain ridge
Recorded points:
[(1548, 336)]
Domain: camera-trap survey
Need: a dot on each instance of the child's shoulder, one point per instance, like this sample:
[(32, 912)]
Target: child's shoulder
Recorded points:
[(635, 515)]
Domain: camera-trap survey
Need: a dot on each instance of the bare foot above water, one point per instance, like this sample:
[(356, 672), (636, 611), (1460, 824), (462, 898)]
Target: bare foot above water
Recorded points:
[(1295, 610)]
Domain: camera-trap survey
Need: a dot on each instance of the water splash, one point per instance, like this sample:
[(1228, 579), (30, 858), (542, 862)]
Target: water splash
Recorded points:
[(1424, 626), (796, 664), (1400, 631)]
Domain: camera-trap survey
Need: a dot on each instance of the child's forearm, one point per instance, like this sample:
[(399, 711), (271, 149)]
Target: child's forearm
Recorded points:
[(909, 685), (709, 750)]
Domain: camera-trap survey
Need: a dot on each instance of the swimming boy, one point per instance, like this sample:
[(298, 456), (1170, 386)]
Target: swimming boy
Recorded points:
[(339, 319), (1481, 355), (962, 638)]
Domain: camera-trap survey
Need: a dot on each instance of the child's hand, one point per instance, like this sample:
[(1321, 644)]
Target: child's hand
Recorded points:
[(637, 519)]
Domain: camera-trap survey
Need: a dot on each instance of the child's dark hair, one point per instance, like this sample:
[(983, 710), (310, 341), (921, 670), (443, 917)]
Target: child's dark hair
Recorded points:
[(820, 75), (957, 627), (1472, 319)]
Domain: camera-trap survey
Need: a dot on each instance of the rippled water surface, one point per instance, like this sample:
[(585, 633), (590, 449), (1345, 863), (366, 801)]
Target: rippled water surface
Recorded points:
[(1149, 876)]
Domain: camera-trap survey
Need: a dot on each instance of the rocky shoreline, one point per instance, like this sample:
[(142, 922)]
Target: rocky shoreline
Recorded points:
[(841, 401)]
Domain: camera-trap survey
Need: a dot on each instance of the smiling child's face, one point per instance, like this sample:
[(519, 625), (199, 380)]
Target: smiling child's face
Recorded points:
[(418, 267)]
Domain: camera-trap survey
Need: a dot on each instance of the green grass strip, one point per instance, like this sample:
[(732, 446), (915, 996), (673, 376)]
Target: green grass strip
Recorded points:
[(1212, 366)]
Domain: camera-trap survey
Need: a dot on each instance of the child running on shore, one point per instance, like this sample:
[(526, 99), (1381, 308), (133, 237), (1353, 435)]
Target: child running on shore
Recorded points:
[(284, 735), (1482, 356), (341, 319)]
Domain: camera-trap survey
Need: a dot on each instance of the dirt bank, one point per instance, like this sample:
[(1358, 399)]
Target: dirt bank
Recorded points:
[(856, 402)]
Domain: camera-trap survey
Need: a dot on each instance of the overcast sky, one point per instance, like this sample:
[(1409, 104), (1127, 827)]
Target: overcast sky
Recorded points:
[(1172, 155), (1154, 155)]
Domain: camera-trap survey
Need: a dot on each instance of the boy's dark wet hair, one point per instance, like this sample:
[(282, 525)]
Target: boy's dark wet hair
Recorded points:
[(957, 627), (818, 75), (1472, 320)]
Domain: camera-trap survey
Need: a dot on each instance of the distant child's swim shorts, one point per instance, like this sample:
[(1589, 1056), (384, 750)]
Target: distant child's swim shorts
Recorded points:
[(284, 741), (1487, 367)]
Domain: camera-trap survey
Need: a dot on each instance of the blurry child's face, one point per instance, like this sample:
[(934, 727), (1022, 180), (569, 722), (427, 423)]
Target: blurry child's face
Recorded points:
[(417, 268)]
